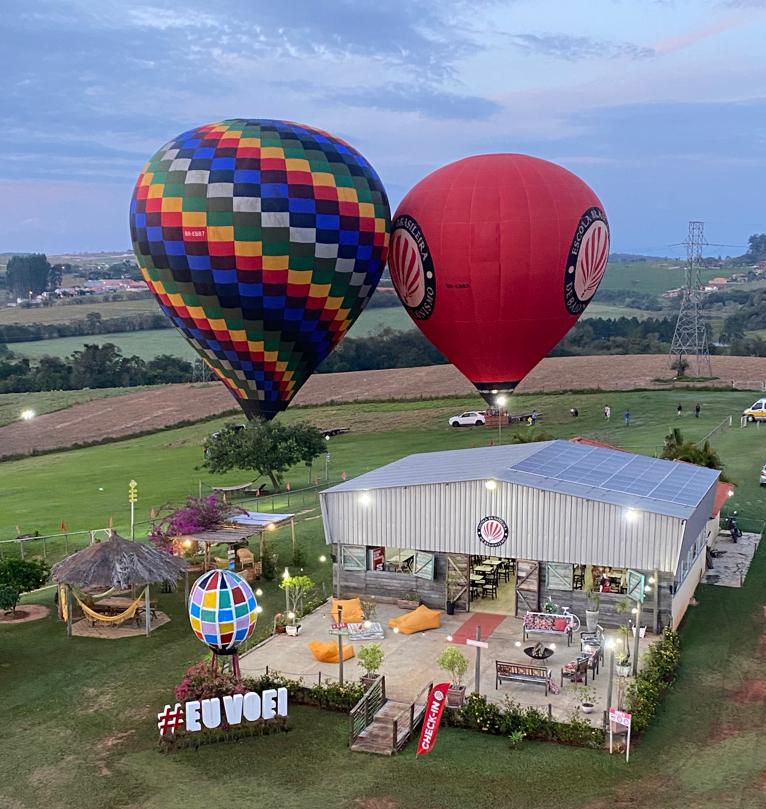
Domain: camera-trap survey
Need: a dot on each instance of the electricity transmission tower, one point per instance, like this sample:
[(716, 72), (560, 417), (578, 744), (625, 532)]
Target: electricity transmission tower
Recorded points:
[(689, 344)]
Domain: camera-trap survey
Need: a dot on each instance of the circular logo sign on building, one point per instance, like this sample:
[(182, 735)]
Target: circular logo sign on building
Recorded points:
[(492, 531)]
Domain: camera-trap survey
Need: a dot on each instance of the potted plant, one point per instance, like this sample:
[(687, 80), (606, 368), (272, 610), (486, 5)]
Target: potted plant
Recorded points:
[(587, 697), (592, 606), (408, 601), (622, 658), (280, 623), (293, 627), (455, 663), (370, 657)]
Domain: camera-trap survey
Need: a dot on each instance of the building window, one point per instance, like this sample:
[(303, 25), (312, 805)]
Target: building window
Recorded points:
[(354, 557)]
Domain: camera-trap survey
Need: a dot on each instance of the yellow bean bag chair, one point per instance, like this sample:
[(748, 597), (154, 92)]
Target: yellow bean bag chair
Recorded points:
[(352, 610), (326, 651), (418, 620)]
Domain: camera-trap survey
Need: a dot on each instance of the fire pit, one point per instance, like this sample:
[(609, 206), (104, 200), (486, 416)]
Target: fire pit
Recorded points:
[(538, 652)]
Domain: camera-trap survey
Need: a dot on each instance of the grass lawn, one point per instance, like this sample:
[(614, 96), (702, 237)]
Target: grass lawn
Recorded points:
[(11, 404), (653, 276), (88, 486), (79, 731), (66, 313)]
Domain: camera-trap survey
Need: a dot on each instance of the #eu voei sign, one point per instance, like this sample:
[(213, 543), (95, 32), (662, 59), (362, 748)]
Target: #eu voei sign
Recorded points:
[(233, 709)]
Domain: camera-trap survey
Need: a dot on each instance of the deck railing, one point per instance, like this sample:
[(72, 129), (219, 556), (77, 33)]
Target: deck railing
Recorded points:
[(362, 714), (412, 714)]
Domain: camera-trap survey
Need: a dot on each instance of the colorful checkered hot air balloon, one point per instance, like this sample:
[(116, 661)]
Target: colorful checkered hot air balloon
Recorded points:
[(222, 611), (263, 241)]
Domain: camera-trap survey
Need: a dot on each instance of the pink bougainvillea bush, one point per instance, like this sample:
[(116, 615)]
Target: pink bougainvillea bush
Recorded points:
[(198, 514)]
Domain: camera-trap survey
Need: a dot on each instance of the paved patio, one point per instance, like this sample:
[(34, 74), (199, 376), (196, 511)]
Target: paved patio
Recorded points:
[(731, 567), (410, 660)]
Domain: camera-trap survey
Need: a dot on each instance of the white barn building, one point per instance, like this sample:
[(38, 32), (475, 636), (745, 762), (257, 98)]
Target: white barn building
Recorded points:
[(571, 517)]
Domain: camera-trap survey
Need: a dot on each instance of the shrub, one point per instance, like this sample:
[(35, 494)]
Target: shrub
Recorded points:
[(455, 663), (201, 682), (370, 657), (658, 673), (510, 719), (329, 695), (24, 575), (9, 598)]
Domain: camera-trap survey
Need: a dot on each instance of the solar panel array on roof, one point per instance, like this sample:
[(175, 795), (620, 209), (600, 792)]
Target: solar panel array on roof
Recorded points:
[(616, 471)]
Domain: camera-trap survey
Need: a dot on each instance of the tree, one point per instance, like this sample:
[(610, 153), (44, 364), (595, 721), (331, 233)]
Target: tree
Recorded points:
[(25, 274), (56, 275), (165, 369), (677, 448), (20, 576), (756, 250), (52, 374), (269, 448)]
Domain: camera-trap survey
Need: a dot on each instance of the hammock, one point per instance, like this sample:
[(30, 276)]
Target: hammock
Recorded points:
[(126, 615)]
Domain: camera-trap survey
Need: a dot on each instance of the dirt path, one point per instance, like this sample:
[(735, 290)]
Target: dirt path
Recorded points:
[(164, 407)]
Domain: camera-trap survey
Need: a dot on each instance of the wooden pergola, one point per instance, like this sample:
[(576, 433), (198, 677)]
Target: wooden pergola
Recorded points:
[(120, 564), (240, 529)]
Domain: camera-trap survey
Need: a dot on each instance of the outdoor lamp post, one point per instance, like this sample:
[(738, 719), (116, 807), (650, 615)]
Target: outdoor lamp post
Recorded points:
[(327, 459), (132, 499), (500, 402), (610, 647)]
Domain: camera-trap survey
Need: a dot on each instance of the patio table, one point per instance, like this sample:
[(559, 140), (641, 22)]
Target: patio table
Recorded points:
[(484, 568)]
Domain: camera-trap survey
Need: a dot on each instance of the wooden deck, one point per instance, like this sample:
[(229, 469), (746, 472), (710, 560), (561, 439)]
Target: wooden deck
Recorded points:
[(393, 717)]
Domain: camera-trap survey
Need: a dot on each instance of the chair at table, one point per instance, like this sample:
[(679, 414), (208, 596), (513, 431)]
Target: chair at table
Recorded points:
[(593, 641), (505, 570), (576, 671), (489, 588)]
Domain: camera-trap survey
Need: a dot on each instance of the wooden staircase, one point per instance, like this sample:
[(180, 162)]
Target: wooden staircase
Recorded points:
[(383, 726)]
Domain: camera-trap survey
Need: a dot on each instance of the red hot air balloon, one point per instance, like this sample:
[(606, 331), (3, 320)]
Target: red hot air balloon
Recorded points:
[(495, 257)]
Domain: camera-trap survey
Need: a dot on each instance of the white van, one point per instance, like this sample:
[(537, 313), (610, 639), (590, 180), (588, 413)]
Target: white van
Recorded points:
[(756, 412)]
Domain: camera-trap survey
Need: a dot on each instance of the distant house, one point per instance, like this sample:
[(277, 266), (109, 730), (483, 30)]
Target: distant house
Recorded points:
[(718, 281), (672, 293)]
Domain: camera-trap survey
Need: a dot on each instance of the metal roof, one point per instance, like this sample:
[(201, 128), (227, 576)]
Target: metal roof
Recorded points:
[(579, 470)]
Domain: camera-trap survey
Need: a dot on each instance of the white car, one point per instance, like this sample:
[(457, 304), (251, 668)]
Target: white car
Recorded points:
[(763, 475), (471, 418)]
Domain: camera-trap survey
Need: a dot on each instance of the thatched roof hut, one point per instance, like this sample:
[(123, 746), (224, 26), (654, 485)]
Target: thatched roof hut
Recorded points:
[(118, 563)]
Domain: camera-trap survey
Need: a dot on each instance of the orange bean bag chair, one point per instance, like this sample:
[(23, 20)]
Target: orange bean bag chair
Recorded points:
[(351, 610), (417, 620), (326, 651)]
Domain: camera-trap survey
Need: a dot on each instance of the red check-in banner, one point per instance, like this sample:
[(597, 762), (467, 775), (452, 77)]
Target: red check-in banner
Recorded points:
[(437, 699)]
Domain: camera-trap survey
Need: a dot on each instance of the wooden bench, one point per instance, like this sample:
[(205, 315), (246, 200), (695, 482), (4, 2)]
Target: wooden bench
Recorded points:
[(518, 672), (545, 623)]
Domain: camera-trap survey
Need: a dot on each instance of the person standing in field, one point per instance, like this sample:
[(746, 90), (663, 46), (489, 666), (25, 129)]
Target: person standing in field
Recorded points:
[(680, 409), (607, 412), (697, 409), (626, 418)]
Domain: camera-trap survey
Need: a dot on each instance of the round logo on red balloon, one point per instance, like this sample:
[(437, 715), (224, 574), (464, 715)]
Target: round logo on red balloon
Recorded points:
[(492, 531), (587, 260), (412, 268)]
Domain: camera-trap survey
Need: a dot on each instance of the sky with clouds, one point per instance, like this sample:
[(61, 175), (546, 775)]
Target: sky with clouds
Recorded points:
[(660, 105)]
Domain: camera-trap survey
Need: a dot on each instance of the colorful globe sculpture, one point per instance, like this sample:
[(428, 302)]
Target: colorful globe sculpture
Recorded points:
[(222, 610)]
